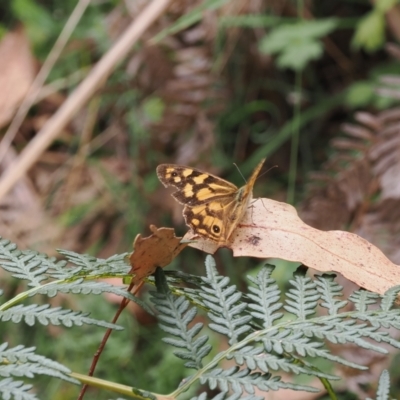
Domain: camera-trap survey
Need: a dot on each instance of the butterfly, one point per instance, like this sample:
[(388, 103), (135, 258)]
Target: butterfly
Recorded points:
[(213, 206)]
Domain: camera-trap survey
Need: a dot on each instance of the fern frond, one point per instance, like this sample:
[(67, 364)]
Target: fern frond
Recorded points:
[(226, 396), (54, 268), (88, 287), (349, 331), (362, 299), (389, 298), (56, 316), (265, 297), (384, 386), (282, 343), (92, 266), (22, 265), (22, 361), (329, 289), (10, 389), (243, 379), (223, 302), (175, 317), (303, 298), (257, 358)]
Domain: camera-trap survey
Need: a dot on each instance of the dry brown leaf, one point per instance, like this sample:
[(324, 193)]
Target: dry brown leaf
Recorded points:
[(156, 250), (17, 68), (271, 229)]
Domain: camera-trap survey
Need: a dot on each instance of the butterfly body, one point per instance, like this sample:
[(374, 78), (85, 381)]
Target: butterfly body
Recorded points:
[(213, 206)]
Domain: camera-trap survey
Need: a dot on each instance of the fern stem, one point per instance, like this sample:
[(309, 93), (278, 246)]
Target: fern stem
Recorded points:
[(119, 388), (328, 387), (24, 295)]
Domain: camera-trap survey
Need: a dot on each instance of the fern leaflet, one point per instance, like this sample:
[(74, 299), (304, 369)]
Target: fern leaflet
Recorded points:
[(56, 316), (175, 317), (10, 389), (265, 297), (223, 302)]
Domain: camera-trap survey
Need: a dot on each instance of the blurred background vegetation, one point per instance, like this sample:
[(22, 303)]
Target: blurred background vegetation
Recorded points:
[(313, 86)]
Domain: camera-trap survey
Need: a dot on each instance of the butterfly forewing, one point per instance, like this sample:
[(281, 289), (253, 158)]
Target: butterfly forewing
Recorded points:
[(194, 186)]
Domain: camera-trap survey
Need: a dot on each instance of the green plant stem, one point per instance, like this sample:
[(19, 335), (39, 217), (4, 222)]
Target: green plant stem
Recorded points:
[(118, 388), (24, 295), (295, 140)]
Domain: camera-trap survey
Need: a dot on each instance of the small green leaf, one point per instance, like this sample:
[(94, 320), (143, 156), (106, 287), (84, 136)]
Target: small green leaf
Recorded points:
[(37, 21), (297, 57), (384, 385), (153, 109), (297, 44), (360, 94), (370, 32)]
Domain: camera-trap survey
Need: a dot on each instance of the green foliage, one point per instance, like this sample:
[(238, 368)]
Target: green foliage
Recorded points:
[(297, 44), (153, 109), (36, 19), (383, 387), (370, 32), (46, 276), (260, 338), (268, 332)]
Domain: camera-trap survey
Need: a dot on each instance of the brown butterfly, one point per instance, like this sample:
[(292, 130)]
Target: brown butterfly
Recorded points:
[(213, 206)]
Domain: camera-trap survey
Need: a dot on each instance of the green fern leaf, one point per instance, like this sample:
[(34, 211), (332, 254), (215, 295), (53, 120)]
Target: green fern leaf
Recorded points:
[(31, 265), (10, 389), (22, 361), (389, 298), (92, 266), (287, 341), (22, 265), (223, 303), (282, 344), (56, 316), (240, 380), (54, 268), (384, 386), (265, 297), (329, 290), (175, 317), (80, 286), (362, 299), (257, 358), (226, 396), (303, 298)]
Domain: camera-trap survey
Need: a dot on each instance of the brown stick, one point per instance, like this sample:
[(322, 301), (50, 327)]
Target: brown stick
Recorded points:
[(100, 349), (100, 72)]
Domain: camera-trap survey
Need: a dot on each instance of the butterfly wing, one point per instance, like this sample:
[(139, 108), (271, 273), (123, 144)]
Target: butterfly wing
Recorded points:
[(211, 220), (194, 186), (217, 218), (233, 212)]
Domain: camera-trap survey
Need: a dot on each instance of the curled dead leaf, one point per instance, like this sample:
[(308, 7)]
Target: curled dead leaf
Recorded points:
[(156, 250), (271, 229)]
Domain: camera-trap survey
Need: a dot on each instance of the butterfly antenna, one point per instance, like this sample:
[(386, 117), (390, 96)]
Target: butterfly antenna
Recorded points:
[(269, 169), (240, 172)]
